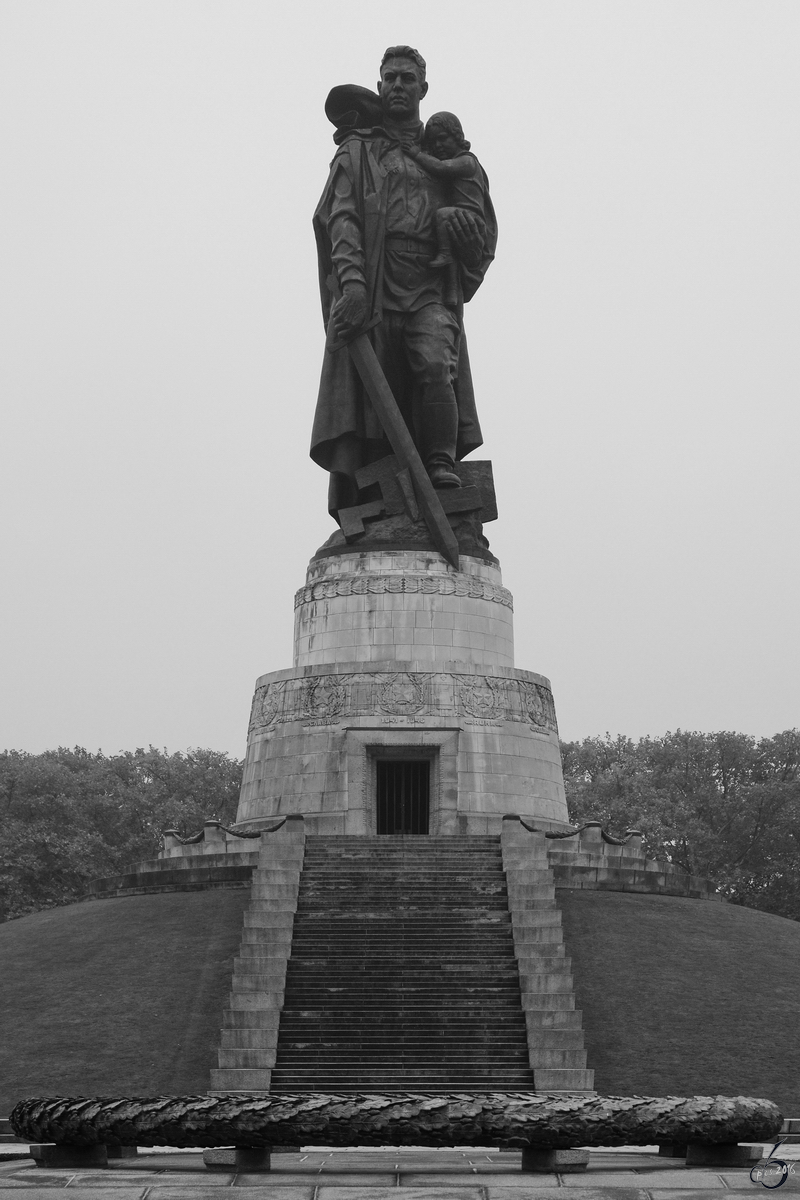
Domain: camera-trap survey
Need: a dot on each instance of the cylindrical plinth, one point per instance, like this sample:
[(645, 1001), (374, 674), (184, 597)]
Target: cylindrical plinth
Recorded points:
[(404, 605), (398, 656)]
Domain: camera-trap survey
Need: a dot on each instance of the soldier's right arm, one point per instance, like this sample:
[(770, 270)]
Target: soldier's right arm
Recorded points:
[(350, 313), (344, 230)]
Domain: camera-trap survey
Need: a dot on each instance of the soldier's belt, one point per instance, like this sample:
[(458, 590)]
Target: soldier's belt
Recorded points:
[(410, 245)]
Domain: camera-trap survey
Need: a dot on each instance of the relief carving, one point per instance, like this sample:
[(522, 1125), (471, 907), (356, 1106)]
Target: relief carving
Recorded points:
[(482, 697), (323, 697), (538, 702), (405, 696), (429, 585), (270, 702), (402, 694), (266, 702)]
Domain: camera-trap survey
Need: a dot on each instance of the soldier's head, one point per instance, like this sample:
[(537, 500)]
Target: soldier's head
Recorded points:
[(402, 83)]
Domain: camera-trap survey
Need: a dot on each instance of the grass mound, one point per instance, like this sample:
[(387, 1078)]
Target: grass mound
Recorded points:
[(686, 997), (116, 997)]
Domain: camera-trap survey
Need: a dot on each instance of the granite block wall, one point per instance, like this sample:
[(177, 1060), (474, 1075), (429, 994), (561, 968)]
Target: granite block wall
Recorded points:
[(396, 650)]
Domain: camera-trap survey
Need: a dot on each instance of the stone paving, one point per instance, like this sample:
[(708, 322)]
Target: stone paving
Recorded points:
[(391, 1175)]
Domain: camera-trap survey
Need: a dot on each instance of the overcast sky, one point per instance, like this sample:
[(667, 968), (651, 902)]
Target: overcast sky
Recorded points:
[(634, 347)]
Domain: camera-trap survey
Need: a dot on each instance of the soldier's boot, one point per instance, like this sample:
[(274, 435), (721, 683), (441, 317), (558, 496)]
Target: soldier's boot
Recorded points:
[(438, 432)]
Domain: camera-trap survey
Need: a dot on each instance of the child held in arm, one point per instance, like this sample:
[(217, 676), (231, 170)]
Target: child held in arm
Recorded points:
[(445, 155)]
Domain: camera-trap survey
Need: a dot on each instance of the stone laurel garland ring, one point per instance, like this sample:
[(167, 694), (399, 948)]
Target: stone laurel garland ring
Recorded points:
[(512, 1120)]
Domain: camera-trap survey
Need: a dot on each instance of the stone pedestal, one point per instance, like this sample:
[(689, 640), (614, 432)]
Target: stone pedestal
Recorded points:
[(397, 655)]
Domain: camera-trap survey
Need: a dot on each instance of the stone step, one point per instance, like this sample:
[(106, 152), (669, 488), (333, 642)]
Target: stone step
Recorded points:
[(378, 927), (356, 957), (405, 1056), (495, 944), (547, 1080), (363, 971), (367, 1038), (238, 1038), (391, 1068), (536, 918), (355, 845), (556, 1039), (419, 907), (343, 1029), (240, 1080), (423, 1078), (552, 981), (456, 869), (402, 971), (257, 1001), (402, 1006), (424, 1081), (535, 1001), (403, 883), (457, 872), (400, 994), (557, 1059), (237, 1058), (390, 907), (341, 1022), (454, 863), (395, 873), (265, 1019)]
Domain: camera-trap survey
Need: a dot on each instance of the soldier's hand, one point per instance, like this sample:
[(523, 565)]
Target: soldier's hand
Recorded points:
[(466, 235), (350, 313)]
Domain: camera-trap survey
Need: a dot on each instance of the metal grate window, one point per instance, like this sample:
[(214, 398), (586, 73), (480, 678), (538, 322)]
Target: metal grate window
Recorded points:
[(404, 790)]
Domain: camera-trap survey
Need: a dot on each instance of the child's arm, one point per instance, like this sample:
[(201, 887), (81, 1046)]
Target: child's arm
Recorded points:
[(462, 167)]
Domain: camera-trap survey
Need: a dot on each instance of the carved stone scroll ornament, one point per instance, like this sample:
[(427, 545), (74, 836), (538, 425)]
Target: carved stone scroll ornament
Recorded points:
[(427, 585), (508, 1120)]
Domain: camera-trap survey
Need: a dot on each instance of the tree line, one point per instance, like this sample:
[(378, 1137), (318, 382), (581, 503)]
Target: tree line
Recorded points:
[(723, 805), (68, 816)]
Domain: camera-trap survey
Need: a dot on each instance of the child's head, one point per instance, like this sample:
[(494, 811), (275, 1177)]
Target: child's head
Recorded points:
[(444, 137)]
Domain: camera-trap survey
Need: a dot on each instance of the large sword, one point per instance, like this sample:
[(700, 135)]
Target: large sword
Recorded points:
[(399, 438)]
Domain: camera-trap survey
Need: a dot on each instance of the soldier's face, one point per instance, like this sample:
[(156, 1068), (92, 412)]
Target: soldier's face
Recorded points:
[(401, 88)]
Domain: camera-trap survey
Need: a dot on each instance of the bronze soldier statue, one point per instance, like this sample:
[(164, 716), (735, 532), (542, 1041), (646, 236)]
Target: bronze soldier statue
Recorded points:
[(376, 228)]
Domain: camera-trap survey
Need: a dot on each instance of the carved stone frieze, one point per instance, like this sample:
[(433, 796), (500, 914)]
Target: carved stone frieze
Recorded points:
[(427, 585), (427, 696)]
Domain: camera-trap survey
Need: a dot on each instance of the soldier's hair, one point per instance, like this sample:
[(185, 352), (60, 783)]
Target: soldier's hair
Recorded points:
[(449, 122), (406, 52)]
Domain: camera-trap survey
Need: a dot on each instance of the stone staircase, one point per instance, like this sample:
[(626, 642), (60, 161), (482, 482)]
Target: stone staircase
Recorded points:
[(402, 974), (395, 964), (554, 1026)]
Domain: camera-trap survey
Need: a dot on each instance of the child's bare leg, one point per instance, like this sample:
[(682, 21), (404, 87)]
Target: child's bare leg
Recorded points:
[(444, 244)]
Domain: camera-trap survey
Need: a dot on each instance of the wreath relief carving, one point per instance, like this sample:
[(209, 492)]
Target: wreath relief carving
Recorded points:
[(482, 697), (330, 697), (323, 697), (538, 702), (403, 694), (445, 585)]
